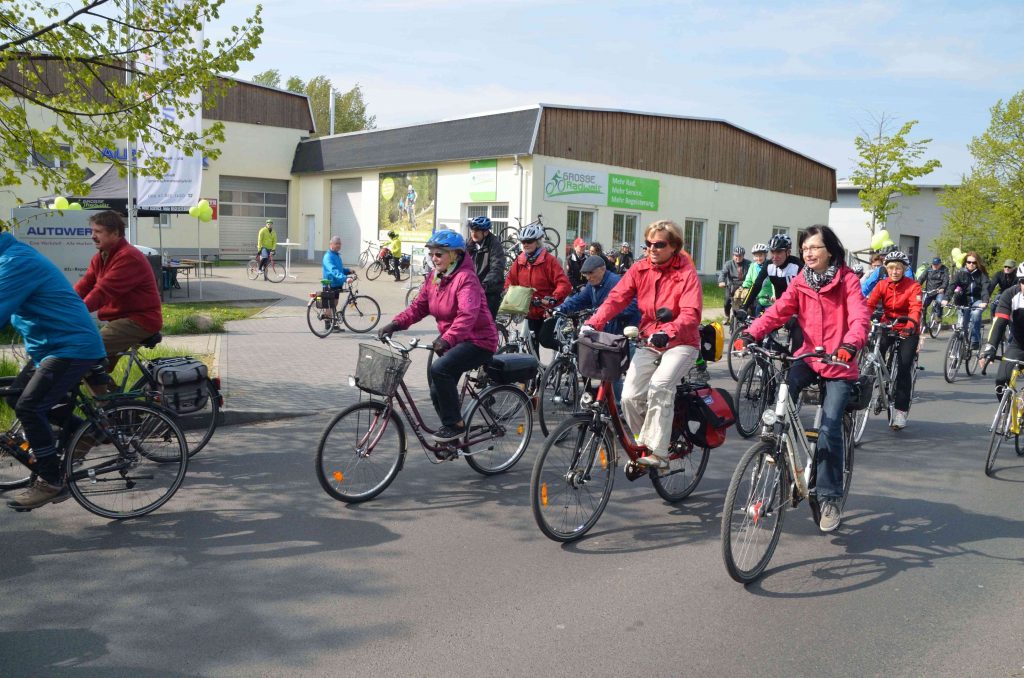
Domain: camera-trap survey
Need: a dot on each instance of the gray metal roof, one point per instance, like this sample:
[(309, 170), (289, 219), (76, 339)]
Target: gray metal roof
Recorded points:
[(482, 136)]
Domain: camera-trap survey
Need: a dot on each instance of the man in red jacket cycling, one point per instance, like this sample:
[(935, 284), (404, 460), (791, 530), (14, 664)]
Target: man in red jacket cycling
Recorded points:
[(121, 287)]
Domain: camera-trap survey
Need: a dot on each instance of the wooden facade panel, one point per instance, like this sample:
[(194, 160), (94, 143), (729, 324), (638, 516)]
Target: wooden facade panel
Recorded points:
[(702, 149)]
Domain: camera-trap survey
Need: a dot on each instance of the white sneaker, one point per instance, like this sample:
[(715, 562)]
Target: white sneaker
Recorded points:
[(899, 420), (653, 460)]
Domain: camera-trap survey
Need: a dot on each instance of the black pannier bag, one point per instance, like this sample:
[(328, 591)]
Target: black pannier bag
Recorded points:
[(181, 383), (603, 356), (860, 397), (511, 368)]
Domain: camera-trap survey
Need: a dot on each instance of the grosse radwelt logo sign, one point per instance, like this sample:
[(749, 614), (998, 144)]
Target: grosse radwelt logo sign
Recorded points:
[(574, 185)]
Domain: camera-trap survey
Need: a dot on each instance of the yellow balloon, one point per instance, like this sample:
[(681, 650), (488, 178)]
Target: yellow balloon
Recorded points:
[(960, 259), (206, 215), (75, 206), (194, 211), (61, 203), (203, 204)]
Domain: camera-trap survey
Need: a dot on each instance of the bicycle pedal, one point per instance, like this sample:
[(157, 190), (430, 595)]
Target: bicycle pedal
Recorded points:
[(634, 470)]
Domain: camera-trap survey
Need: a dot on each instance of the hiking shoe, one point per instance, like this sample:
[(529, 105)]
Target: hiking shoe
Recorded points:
[(339, 328), (653, 460), (446, 433), (39, 493), (899, 420), (830, 516)]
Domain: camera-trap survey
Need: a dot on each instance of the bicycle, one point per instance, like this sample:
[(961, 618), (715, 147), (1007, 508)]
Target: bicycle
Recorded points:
[(370, 253), (196, 409), (384, 264), (773, 474), (758, 383), (937, 316), (363, 448), (560, 385), (882, 372), (271, 271), (509, 237), (573, 476), (126, 459), (737, 360), (958, 350), (359, 312), (1009, 417)]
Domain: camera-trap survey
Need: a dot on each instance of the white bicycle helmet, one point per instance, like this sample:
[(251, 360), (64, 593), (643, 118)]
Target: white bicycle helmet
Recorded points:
[(896, 255), (759, 248), (531, 232), (1020, 272)]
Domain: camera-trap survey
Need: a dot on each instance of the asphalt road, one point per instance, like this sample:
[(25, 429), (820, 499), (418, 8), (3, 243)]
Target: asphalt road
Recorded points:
[(252, 570)]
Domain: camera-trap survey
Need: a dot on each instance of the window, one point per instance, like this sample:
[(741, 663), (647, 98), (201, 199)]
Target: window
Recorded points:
[(726, 240), (498, 214), (776, 230), (800, 232), (253, 204), (578, 224), (693, 236), (623, 230), (36, 159)]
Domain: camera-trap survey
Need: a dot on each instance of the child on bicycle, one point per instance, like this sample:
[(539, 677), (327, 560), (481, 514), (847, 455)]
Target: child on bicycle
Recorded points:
[(899, 296), (452, 293), (826, 298), (63, 344)]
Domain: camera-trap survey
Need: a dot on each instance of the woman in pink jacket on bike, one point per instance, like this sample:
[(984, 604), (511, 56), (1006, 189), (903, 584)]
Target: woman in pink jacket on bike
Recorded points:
[(830, 309), (452, 293)]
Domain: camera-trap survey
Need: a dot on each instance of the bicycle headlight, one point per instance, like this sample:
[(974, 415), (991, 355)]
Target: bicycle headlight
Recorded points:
[(768, 417), (352, 381), (586, 399)]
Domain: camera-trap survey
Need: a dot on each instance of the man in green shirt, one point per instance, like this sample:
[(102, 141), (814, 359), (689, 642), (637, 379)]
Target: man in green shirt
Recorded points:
[(266, 243)]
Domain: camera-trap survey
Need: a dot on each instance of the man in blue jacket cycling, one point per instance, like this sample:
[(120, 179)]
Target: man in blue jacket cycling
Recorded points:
[(600, 282), (63, 343), (335, 273)]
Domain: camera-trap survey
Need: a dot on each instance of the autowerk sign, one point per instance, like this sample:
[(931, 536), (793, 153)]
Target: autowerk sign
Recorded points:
[(591, 187)]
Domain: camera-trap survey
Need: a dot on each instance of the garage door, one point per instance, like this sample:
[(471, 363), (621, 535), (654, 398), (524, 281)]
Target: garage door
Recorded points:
[(346, 199), (245, 204)]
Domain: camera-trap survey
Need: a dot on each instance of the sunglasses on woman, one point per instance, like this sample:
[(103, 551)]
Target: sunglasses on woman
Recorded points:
[(971, 263), (656, 245), (528, 241)]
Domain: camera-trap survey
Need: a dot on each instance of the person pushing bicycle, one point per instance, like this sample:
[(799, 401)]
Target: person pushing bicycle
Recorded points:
[(827, 302), (63, 345), (452, 293), (1009, 314)]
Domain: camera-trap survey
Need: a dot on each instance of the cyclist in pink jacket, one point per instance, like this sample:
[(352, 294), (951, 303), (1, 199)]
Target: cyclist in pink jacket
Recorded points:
[(827, 300), (452, 293)]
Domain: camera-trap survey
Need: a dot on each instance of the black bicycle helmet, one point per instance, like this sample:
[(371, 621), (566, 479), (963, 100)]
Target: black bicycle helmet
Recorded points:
[(780, 241), (392, 234)]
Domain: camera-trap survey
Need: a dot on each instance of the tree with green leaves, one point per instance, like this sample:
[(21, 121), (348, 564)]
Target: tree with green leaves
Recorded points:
[(886, 166), (83, 71), (968, 218), (349, 107), (269, 78)]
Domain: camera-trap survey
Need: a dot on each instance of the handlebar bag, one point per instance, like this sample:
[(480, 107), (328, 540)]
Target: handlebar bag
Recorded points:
[(516, 300), (603, 356)]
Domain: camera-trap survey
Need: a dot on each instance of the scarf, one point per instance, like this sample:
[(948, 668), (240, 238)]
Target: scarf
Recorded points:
[(819, 280), (533, 257)]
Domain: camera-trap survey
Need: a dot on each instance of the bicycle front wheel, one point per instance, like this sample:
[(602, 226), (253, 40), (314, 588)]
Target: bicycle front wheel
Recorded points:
[(275, 271), (847, 457), (374, 271), (755, 505), (999, 431), (501, 421), (736, 362), (572, 478), (13, 474), (252, 269), (360, 452), (410, 296), (952, 358), (970, 359), (682, 476), (364, 258), (559, 394), (934, 321), (361, 313), (319, 324), (129, 469), (751, 398), (552, 236)]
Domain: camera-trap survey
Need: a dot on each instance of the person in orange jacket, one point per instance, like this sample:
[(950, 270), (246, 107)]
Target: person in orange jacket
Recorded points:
[(537, 268), (900, 296)]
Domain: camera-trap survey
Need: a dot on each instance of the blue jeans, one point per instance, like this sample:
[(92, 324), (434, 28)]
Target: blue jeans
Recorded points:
[(829, 449), (977, 308), (930, 299)]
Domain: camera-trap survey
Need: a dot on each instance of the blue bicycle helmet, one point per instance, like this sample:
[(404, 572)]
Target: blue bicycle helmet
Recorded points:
[(480, 224), (448, 240)]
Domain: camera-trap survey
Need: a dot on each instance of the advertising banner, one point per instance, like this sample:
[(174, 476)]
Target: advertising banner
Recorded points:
[(591, 187), (407, 203), (65, 239), (180, 186), (483, 180)]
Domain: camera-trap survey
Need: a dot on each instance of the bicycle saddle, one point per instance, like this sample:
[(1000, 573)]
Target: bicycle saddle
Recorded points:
[(151, 342)]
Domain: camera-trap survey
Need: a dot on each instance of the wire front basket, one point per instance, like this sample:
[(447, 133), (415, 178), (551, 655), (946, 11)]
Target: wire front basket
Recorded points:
[(379, 370)]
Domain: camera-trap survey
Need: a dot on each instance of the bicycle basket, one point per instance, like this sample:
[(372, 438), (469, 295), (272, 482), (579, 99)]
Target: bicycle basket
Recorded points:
[(380, 371)]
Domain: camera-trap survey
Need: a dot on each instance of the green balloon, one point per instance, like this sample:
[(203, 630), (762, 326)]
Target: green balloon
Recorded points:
[(61, 203)]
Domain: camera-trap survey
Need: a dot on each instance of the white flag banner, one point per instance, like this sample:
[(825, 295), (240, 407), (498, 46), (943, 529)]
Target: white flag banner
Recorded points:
[(180, 187)]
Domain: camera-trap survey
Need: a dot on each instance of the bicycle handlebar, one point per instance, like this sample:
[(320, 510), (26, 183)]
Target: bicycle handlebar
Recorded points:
[(414, 343), (817, 353)]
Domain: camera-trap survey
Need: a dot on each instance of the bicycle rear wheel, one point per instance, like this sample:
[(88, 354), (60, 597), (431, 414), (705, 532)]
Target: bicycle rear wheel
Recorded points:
[(252, 269), (197, 426), (503, 413), (319, 324), (682, 476), (559, 394), (130, 469), (275, 271), (755, 505), (572, 478), (952, 358), (374, 271), (970, 358), (361, 313), (410, 296), (360, 452), (999, 432), (552, 236), (751, 399), (736, 362), (860, 417)]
